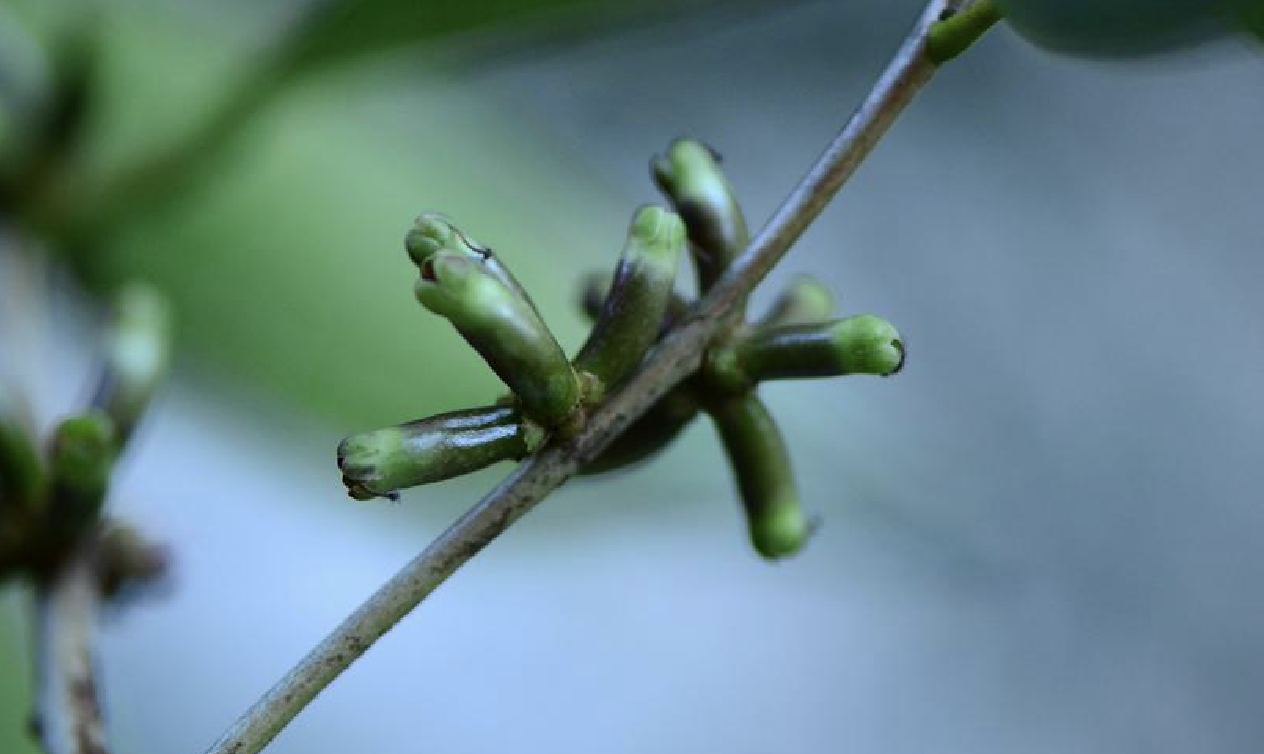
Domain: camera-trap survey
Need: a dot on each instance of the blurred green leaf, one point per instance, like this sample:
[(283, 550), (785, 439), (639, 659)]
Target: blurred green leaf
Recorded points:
[(289, 269), (1250, 14), (1114, 28), (334, 31)]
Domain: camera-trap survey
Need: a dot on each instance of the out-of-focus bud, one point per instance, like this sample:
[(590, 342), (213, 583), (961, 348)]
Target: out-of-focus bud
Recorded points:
[(80, 463), (385, 461), (505, 330), (761, 464), (639, 297), (128, 563), (137, 351), (805, 300), (21, 471), (690, 176)]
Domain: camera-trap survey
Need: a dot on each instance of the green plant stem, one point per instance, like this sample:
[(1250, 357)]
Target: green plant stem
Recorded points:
[(676, 357)]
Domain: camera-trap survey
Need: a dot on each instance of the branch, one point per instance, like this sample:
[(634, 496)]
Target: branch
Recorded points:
[(68, 713), (675, 358)]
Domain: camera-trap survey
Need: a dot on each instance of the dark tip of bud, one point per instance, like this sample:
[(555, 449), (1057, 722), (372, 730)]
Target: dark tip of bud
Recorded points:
[(661, 173), (898, 343), (428, 271)]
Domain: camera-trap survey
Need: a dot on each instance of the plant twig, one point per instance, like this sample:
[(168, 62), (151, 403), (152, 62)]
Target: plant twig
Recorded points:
[(675, 358), (68, 714)]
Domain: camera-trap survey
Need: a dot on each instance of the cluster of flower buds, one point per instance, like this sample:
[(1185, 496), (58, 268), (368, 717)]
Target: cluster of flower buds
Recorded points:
[(470, 286), (51, 502)]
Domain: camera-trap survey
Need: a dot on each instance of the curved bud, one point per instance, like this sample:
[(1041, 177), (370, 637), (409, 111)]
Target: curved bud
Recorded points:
[(382, 462), (433, 232), (690, 176), (21, 471), (137, 351), (505, 330), (856, 345), (761, 464), (81, 459), (655, 430), (639, 297), (806, 299)]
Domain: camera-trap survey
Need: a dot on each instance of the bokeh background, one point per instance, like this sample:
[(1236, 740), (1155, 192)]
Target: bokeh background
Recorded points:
[(1044, 535)]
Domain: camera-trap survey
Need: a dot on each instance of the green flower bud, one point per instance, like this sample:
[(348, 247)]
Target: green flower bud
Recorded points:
[(806, 299), (760, 462), (654, 431), (382, 462), (639, 298), (690, 176), (856, 345), (596, 287), (433, 232), (21, 471), (81, 460), (137, 351), (128, 563), (505, 330), (953, 35)]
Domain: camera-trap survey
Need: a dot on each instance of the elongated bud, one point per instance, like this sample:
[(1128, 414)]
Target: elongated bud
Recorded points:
[(137, 352), (81, 459), (639, 298), (385, 461), (805, 300), (22, 480), (691, 177), (856, 345), (654, 431), (765, 481), (21, 470), (129, 563), (595, 288), (433, 232), (505, 330)]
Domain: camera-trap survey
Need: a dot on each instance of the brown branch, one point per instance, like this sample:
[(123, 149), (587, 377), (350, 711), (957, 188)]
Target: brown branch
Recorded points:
[(676, 357), (68, 709)]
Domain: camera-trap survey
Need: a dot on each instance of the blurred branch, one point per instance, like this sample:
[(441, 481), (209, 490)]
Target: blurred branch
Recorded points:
[(675, 358), (68, 715)]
